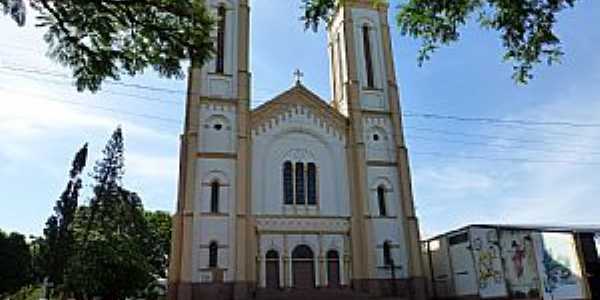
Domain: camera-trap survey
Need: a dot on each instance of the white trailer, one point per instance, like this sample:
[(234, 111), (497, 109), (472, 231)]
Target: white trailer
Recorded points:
[(515, 262)]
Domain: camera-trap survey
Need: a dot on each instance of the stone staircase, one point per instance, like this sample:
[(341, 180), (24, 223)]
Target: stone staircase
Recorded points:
[(316, 294)]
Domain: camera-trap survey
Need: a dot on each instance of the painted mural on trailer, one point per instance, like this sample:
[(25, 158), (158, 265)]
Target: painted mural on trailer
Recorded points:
[(520, 267), (486, 251), (559, 266)]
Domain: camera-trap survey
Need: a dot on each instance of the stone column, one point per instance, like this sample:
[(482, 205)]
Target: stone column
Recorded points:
[(317, 266), (322, 271), (286, 263), (287, 270), (342, 270), (347, 268), (281, 266), (262, 269), (321, 263)]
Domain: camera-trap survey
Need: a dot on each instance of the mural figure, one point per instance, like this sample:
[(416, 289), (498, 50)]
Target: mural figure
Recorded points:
[(487, 272), (520, 268), (557, 274), (518, 257)]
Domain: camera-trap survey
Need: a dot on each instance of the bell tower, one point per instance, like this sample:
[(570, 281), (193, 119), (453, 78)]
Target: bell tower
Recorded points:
[(211, 232), (384, 230)]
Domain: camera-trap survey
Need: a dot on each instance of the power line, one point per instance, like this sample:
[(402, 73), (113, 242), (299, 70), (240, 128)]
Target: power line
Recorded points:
[(575, 147), (436, 154), (500, 121), (46, 72), (506, 159), (103, 91), (140, 97), (420, 129), (409, 114), (489, 136), (135, 96), (539, 130), (449, 155), (129, 85), (109, 109), (36, 50), (505, 147)]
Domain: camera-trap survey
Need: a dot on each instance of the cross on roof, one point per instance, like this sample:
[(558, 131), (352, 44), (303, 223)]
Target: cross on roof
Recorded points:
[(298, 75)]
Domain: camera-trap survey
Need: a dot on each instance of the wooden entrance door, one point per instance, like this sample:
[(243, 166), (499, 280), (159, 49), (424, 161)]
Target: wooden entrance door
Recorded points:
[(272, 269), (333, 269), (303, 272)]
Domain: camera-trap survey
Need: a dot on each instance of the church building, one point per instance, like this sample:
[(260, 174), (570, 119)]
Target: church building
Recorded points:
[(298, 195)]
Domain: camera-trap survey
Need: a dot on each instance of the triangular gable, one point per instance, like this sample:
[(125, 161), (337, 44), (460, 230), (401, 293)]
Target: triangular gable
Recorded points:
[(298, 95)]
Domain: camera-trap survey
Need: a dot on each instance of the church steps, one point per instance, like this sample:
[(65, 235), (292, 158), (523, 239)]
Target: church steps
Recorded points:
[(316, 294)]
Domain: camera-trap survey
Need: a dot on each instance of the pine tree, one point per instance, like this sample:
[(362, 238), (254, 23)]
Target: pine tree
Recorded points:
[(114, 260), (57, 245)]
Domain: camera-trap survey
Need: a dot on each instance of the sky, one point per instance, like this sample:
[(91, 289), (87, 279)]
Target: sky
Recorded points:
[(463, 172)]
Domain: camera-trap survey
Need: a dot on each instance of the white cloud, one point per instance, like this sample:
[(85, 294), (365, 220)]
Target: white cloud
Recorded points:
[(29, 123), (453, 178), (159, 168), (26, 115), (523, 193)]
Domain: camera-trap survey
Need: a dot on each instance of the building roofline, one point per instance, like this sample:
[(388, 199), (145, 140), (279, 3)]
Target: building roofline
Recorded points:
[(590, 228)]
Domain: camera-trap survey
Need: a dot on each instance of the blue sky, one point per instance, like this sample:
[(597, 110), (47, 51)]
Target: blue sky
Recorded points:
[(43, 121)]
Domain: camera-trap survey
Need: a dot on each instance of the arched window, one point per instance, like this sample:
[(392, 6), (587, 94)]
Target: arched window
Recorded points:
[(381, 200), (311, 185), (220, 55), (368, 57), (302, 252), (213, 254), (288, 183), (387, 254), (300, 193), (215, 189)]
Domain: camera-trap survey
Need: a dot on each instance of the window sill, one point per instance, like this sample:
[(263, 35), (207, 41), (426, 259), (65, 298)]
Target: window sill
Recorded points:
[(371, 89), (206, 269), (224, 75), (208, 214), (301, 206), (389, 267), (383, 217)]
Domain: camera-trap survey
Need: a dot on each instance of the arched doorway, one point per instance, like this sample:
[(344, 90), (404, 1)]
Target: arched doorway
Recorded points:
[(333, 268), (272, 269), (303, 267)]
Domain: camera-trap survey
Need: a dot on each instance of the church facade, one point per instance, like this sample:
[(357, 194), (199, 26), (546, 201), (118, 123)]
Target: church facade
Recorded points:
[(298, 193)]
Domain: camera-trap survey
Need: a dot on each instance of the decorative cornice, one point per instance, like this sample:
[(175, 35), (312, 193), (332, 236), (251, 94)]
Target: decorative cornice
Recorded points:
[(302, 225), (216, 155), (322, 217), (221, 104)]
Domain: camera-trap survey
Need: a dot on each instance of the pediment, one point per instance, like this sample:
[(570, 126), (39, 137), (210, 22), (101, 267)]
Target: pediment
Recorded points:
[(298, 100)]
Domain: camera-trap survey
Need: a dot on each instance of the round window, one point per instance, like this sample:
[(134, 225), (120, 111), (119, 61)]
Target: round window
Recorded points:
[(218, 126), (376, 137)]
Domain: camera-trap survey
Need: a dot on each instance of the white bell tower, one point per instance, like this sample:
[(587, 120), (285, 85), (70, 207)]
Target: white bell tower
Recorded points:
[(211, 235), (384, 226)]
